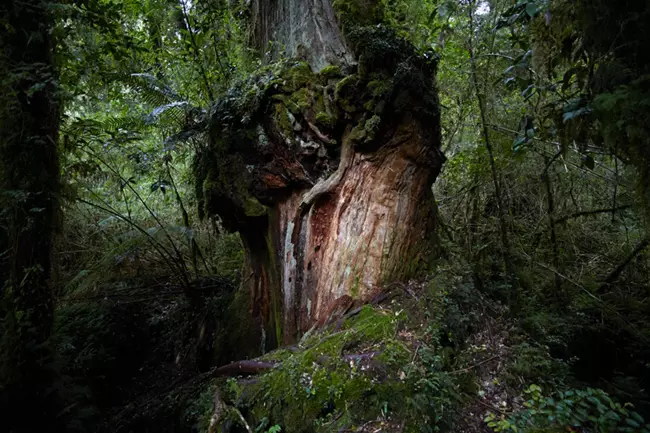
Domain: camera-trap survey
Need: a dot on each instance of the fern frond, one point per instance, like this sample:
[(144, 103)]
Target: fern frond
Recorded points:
[(152, 90), (109, 125), (174, 111)]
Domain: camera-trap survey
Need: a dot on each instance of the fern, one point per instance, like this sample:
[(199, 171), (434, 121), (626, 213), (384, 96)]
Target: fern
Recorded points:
[(152, 90), (109, 125)]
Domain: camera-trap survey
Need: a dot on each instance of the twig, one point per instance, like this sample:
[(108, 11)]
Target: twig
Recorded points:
[(471, 367), (591, 212), (489, 406), (324, 138), (243, 421), (412, 363)]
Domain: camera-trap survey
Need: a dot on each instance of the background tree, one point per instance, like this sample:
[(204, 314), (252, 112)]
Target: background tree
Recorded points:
[(29, 176)]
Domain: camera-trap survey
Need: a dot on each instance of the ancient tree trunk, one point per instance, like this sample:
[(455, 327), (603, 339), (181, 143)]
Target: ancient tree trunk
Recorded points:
[(325, 165), (29, 177)]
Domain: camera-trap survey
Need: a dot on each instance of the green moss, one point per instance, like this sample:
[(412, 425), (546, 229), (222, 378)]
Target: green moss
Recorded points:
[(302, 99), (345, 92), (358, 134), (355, 373), (344, 85), (372, 127), (380, 88), (353, 13), (253, 208), (331, 71), (373, 325), (310, 381), (326, 120), (282, 120), (296, 77)]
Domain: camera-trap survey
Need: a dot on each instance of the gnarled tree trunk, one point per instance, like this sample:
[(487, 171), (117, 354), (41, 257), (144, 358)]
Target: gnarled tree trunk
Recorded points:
[(325, 164)]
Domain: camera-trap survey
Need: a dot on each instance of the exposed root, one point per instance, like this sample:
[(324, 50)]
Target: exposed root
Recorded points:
[(221, 410), (328, 185), (322, 137)]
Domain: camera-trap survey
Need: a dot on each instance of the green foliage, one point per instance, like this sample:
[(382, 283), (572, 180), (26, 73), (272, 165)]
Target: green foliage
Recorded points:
[(159, 97), (530, 361), (229, 257), (591, 409), (198, 411)]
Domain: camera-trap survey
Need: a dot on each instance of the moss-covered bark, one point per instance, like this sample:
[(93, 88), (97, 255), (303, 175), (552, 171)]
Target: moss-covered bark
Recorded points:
[(327, 176)]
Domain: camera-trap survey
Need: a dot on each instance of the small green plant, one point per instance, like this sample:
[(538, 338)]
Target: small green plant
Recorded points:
[(591, 409)]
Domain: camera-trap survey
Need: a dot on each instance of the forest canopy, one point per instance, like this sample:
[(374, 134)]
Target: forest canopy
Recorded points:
[(325, 216)]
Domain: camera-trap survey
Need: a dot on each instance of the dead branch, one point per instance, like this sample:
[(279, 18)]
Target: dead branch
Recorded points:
[(620, 268), (471, 367), (590, 212), (241, 368)]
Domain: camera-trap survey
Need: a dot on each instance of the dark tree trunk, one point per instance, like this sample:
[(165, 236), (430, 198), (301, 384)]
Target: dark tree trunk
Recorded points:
[(328, 176), (29, 176)]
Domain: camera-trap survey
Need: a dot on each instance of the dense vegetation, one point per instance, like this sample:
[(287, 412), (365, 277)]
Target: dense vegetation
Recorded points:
[(120, 309)]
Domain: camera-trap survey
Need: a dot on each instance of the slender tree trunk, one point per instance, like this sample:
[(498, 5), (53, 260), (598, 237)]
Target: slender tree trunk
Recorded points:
[(503, 225), (29, 176), (560, 296), (332, 209)]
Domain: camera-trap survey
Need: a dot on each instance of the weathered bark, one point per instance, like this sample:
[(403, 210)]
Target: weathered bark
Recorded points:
[(29, 179), (360, 236), (299, 29), (328, 177)]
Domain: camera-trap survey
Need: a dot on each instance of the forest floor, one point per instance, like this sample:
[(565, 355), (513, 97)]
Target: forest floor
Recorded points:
[(383, 354)]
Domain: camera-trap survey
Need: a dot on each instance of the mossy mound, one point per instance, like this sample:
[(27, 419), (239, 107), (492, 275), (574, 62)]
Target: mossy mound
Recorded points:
[(374, 368)]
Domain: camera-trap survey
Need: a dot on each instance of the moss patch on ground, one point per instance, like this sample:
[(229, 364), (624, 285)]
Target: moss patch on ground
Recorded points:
[(378, 367)]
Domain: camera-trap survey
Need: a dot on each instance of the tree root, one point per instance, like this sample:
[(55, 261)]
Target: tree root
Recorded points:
[(328, 185)]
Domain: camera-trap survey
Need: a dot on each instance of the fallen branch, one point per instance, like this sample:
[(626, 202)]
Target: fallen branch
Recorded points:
[(489, 406), (471, 367), (241, 368), (242, 420), (591, 212)]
